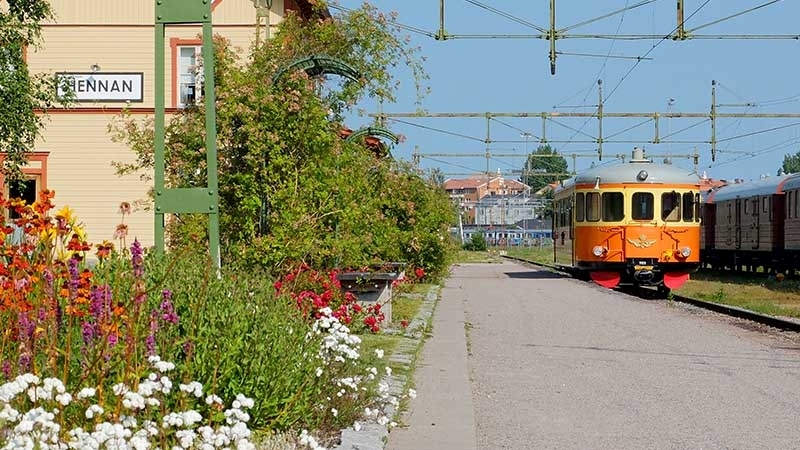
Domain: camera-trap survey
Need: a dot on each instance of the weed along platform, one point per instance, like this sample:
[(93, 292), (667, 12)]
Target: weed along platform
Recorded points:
[(373, 288)]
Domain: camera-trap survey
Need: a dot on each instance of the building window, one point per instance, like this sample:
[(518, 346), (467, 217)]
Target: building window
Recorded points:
[(29, 188), (187, 72), (189, 67), (26, 190)]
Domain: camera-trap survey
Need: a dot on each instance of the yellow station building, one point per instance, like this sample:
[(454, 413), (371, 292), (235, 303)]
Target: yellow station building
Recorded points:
[(106, 49)]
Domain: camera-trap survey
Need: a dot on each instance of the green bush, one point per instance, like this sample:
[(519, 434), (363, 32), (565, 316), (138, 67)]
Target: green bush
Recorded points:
[(477, 243)]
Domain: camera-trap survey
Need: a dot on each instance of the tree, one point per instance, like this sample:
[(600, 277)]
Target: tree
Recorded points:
[(791, 163), (436, 176), (291, 189), (542, 167), (22, 96)]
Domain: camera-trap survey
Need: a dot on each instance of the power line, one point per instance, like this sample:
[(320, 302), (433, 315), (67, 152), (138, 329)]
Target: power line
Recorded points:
[(636, 64)]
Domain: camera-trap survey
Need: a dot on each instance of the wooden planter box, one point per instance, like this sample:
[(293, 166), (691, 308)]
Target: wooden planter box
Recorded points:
[(372, 287)]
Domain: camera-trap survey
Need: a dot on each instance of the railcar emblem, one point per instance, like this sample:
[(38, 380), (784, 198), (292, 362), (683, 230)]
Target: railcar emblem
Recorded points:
[(642, 242)]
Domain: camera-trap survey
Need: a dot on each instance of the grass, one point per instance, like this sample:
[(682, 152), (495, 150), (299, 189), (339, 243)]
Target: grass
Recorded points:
[(406, 307), (759, 294), (542, 255)]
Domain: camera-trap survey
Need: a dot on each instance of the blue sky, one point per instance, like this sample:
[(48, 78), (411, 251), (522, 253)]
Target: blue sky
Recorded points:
[(513, 75)]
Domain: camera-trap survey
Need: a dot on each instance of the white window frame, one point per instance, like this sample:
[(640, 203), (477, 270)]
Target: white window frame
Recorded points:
[(188, 74)]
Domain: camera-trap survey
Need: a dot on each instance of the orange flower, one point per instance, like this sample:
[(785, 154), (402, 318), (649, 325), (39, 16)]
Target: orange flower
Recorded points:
[(104, 249)]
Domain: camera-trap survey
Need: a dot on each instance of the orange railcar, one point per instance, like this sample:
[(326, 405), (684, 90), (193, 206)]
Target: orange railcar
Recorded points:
[(631, 223)]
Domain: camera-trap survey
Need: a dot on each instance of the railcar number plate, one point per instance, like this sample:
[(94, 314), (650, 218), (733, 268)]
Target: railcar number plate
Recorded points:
[(643, 267)]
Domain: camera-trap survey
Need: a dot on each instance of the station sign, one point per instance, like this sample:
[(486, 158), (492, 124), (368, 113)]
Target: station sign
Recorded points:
[(103, 86)]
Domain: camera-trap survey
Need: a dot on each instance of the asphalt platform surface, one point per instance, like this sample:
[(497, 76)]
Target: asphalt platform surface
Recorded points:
[(521, 358)]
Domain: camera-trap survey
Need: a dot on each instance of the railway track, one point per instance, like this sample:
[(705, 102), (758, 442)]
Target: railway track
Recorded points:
[(643, 292)]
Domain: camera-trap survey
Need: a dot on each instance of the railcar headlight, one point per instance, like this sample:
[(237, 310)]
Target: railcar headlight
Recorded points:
[(598, 251), (685, 252)]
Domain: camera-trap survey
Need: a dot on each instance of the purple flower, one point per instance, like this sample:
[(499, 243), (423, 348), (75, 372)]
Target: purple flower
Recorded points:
[(47, 275), (26, 325), (137, 259), (24, 362), (167, 308), (100, 302), (88, 332), (113, 339), (6, 369)]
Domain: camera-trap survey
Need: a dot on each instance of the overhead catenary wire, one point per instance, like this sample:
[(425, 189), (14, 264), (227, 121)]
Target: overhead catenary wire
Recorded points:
[(599, 75), (507, 15), (451, 133), (636, 64)]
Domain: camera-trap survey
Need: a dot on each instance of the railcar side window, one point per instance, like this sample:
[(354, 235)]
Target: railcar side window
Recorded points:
[(642, 206), (580, 207), (593, 206), (697, 206), (613, 206), (688, 207), (671, 206)]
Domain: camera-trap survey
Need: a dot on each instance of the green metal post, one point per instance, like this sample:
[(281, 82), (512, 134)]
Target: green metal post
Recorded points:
[(199, 200), (210, 100), (158, 149)]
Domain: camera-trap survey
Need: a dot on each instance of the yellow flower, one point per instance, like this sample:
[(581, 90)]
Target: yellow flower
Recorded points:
[(66, 214)]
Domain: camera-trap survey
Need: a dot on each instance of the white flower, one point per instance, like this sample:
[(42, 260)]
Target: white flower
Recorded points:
[(244, 401), (86, 393), (94, 410), (213, 399), (193, 388), (379, 353), (64, 398)]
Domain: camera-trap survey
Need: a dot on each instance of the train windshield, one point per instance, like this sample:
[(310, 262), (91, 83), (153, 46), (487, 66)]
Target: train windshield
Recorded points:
[(688, 206), (671, 206), (642, 206), (613, 206)]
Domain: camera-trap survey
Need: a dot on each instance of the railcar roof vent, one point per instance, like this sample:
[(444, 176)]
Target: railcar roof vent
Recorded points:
[(637, 156)]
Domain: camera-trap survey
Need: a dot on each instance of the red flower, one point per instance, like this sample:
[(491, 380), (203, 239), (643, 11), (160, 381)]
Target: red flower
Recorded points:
[(404, 323), (419, 272)]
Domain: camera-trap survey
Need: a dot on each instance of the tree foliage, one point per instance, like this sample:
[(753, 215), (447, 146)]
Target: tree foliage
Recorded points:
[(22, 95), (291, 189), (543, 167), (791, 163)]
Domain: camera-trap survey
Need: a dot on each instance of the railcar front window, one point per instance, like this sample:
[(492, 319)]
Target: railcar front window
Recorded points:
[(688, 207), (593, 206), (642, 206), (670, 206), (613, 206), (580, 207)]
